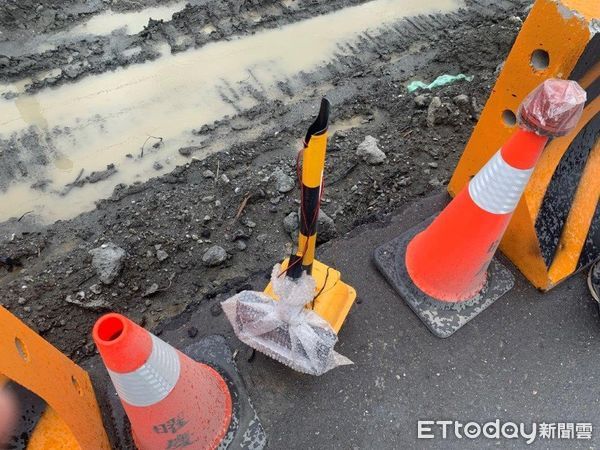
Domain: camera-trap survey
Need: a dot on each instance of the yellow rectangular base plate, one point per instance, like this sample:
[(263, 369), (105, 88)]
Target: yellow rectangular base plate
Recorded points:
[(335, 299)]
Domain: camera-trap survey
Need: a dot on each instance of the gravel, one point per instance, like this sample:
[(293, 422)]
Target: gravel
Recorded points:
[(107, 260)]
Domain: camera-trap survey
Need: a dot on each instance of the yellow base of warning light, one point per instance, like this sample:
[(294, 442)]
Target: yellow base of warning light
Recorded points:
[(335, 298)]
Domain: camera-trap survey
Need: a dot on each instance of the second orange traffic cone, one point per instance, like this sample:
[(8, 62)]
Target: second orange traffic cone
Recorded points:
[(443, 272), (171, 400)]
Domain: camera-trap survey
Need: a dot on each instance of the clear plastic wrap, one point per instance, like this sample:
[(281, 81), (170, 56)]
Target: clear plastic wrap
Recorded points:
[(285, 330), (553, 108)]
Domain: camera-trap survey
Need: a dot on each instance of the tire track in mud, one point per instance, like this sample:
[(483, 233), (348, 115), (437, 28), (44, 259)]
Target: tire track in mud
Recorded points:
[(70, 55), (390, 49)]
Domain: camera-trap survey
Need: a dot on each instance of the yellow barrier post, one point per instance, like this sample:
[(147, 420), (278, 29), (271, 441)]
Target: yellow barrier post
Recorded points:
[(71, 419), (555, 230)]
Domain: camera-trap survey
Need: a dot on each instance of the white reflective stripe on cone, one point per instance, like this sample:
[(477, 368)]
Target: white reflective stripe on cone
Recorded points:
[(497, 187), (153, 381)]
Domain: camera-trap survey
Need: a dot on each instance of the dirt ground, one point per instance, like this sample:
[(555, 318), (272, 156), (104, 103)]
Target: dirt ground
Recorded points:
[(230, 197)]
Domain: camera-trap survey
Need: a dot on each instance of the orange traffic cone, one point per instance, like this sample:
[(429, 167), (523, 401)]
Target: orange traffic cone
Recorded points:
[(171, 400), (445, 264)]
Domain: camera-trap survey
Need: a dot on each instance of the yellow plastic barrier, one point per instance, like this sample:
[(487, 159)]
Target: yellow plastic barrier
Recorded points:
[(555, 230), (71, 419)]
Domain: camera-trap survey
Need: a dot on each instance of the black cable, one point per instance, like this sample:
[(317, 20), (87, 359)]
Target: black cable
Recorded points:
[(321, 291)]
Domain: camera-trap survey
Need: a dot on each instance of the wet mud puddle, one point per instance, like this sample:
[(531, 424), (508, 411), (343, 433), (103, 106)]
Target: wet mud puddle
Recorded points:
[(63, 149)]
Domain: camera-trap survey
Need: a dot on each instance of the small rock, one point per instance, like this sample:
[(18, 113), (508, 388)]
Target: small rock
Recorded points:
[(249, 223), (186, 151), (157, 166), (238, 234), (433, 165), (192, 332), (283, 183), (290, 223), (151, 290), (241, 245), (461, 99), (435, 182), (436, 112), (340, 134), (214, 256), (463, 102), (225, 179), (515, 20), (208, 174), (422, 100), (216, 310), (161, 255), (208, 199), (95, 289), (21, 301), (107, 260), (404, 181), (370, 152), (94, 305), (326, 229), (72, 70), (203, 129)]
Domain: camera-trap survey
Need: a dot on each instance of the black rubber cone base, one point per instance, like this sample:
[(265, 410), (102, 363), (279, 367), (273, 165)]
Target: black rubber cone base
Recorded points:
[(245, 430), (441, 318)]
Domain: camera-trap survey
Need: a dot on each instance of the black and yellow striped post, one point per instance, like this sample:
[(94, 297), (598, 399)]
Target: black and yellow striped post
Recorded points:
[(313, 165), (333, 298)]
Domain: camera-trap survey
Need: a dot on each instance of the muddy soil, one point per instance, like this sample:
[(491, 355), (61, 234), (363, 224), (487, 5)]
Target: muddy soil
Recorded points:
[(231, 198)]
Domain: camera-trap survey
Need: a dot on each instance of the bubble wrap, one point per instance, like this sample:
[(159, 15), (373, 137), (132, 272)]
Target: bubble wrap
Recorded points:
[(285, 330)]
